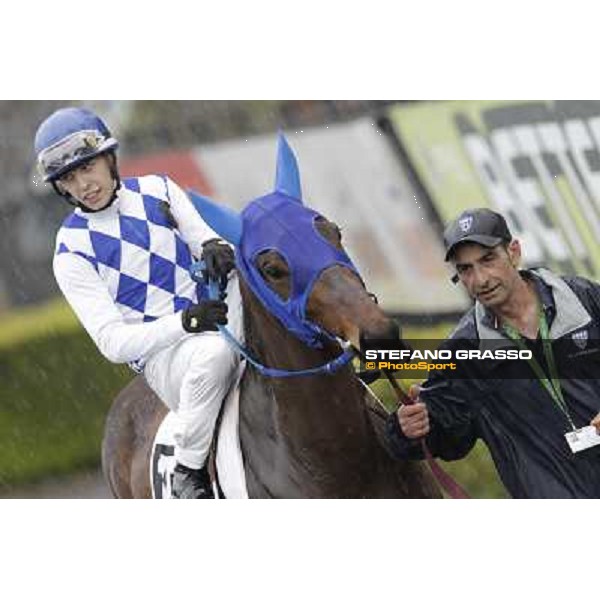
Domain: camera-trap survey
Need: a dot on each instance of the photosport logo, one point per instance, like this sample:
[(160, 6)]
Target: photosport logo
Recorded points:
[(578, 357)]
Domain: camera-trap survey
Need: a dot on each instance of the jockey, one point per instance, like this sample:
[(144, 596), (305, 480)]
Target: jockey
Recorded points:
[(121, 260)]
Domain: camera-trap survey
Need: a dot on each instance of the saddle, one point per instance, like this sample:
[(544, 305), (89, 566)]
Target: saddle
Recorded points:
[(226, 464)]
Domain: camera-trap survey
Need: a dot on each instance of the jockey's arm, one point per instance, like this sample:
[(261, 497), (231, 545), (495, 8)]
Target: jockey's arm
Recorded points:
[(192, 227), (118, 341)]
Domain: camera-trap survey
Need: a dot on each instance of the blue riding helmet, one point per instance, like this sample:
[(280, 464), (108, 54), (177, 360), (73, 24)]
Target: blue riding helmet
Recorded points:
[(69, 137)]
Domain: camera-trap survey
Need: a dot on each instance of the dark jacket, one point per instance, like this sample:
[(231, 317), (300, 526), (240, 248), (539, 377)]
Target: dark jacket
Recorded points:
[(516, 418)]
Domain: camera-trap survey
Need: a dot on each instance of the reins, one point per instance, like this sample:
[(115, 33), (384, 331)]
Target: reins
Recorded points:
[(446, 482), (328, 368)]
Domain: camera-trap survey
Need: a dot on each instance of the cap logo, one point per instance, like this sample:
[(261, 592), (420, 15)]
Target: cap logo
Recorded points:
[(465, 224), (580, 338)]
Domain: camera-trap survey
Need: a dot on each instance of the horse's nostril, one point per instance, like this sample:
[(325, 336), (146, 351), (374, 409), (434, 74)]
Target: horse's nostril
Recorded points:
[(388, 331)]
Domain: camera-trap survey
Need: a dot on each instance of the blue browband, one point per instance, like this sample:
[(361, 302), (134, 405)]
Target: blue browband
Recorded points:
[(328, 368)]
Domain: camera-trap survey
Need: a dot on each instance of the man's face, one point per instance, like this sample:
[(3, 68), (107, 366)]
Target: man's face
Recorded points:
[(91, 183), (488, 274)]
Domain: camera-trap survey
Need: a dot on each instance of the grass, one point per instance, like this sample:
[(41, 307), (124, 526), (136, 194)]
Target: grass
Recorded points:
[(33, 322), (55, 392)]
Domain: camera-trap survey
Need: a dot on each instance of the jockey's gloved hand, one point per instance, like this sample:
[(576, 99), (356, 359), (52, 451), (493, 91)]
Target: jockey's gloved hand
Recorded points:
[(204, 316), (219, 259)]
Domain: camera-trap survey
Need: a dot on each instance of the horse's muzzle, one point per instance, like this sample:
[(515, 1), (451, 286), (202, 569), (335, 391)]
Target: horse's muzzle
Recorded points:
[(388, 331)]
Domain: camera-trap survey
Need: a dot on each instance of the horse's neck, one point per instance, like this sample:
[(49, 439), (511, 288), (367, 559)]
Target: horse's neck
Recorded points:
[(317, 426)]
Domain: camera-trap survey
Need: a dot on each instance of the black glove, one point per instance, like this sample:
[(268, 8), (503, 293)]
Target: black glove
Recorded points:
[(204, 316), (219, 259)]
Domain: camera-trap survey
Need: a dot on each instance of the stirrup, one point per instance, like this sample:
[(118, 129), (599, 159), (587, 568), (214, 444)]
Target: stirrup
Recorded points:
[(191, 484)]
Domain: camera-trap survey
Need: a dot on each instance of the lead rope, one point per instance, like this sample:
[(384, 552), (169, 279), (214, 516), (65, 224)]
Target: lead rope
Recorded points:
[(446, 482)]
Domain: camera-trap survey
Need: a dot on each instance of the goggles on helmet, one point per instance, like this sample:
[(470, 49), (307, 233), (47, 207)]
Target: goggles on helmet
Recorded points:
[(71, 151)]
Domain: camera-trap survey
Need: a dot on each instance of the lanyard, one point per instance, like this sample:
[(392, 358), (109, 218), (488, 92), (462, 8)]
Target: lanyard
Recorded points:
[(552, 385)]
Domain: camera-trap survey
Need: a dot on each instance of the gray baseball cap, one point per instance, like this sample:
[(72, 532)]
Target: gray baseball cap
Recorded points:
[(478, 225)]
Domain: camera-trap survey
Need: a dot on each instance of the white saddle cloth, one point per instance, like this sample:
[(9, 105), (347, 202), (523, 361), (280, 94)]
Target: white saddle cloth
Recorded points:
[(230, 465)]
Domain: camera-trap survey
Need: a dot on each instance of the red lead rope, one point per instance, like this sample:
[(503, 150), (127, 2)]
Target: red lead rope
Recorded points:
[(447, 483)]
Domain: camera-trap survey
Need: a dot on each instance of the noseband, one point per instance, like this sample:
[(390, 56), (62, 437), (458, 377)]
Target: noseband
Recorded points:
[(328, 368)]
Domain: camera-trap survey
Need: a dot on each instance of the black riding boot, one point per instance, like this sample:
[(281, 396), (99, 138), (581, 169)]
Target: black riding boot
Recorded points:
[(191, 484)]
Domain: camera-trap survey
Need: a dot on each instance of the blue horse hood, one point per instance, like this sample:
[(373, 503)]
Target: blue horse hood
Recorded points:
[(281, 223)]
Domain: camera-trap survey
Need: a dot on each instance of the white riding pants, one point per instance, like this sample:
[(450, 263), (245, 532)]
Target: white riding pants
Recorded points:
[(192, 377)]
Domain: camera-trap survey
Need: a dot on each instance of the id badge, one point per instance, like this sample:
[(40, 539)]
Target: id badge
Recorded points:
[(582, 439)]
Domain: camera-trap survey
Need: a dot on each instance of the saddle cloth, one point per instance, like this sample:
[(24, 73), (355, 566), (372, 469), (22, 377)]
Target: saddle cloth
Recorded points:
[(229, 462)]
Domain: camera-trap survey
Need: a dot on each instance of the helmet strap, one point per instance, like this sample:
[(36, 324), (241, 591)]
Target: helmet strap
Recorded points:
[(64, 195)]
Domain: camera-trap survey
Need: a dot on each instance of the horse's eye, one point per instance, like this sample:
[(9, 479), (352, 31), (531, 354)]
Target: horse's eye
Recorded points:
[(274, 271)]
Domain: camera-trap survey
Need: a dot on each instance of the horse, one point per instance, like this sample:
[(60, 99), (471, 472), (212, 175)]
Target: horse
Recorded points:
[(313, 436)]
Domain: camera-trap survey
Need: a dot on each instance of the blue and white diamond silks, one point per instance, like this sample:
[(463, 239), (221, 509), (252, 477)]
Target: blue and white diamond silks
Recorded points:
[(141, 258)]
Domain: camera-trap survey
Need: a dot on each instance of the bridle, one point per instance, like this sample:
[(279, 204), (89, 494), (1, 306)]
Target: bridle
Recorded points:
[(329, 368)]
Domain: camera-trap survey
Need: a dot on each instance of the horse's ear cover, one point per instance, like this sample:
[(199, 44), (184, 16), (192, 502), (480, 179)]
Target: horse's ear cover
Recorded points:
[(225, 221), (222, 219), (278, 221), (287, 179)]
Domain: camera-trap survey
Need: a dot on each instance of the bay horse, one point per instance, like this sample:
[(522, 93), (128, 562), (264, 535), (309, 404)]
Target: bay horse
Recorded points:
[(301, 437)]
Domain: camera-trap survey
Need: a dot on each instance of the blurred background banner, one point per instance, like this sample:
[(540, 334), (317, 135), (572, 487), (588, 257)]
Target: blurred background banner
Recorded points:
[(536, 162), (390, 173), (349, 173)]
